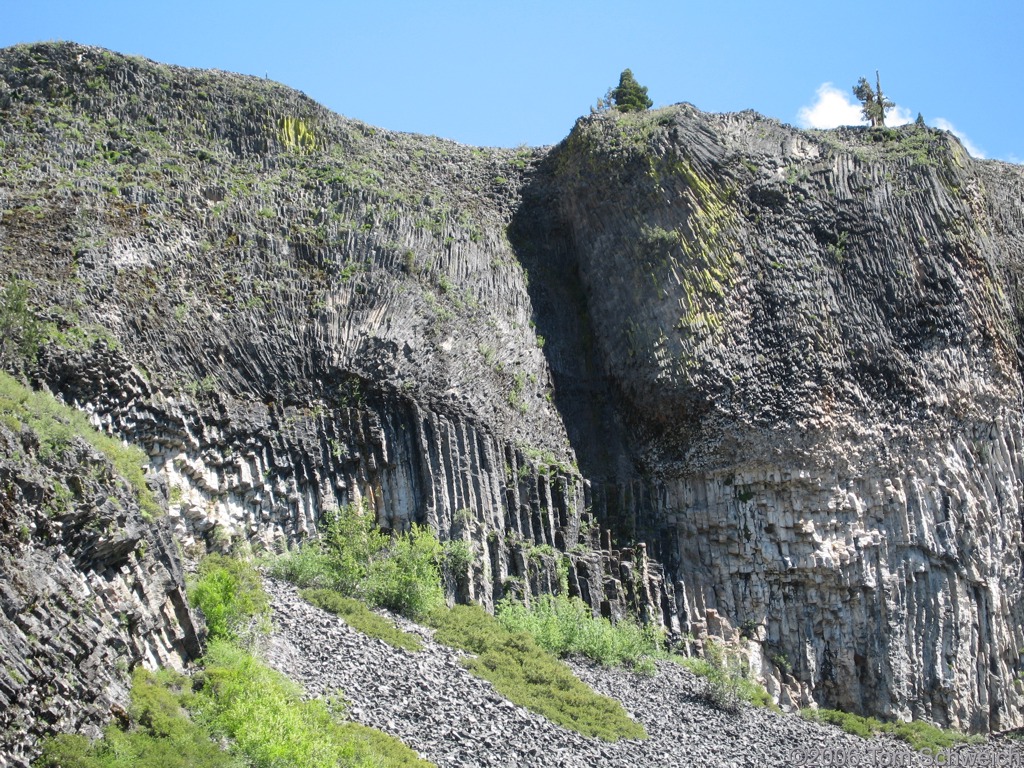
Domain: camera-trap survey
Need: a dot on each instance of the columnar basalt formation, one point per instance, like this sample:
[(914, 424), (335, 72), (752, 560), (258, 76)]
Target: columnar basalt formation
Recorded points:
[(88, 590), (820, 369), (747, 380)]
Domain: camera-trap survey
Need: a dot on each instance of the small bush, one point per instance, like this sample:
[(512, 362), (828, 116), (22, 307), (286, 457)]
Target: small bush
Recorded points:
[(21, 332), (353, 557), (726, 682), (230, 594), (340, 558), (564, 625), (527, 675), (362, 618), (407, 579), (309, 566)]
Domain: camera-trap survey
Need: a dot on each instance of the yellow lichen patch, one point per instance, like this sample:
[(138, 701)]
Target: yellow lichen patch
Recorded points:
[(295, 134)]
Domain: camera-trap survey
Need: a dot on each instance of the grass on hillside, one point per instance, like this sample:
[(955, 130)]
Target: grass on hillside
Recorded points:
[(527, 675), (162, 735), (353, 557), (565, 625), (265, 716), (918, 734), (360, 617), (57, 425), (235, 713)]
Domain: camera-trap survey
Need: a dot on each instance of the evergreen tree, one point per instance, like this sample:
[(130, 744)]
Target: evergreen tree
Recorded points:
[(874, 104), (630, 96)]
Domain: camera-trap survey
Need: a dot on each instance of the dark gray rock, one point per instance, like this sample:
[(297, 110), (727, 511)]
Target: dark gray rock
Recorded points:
[(88, 591)]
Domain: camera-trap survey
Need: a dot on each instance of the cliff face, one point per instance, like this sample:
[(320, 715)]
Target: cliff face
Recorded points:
[(815, 342), (786, 362), (88, 587)]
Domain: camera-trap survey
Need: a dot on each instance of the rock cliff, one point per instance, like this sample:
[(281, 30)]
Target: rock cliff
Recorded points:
[(751, 381), (819, 373), (89, 588)]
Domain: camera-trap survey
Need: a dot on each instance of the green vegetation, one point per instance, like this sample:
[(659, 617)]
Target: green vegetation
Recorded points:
[(261, 712), (236, 712), (629, 95), (565, 625), (726, 680), (360, 617), (516, 397), (229, 593), (20, 332), (407, 580), (525, 674), (161, 735), (547, 463), (265, 716), (295, 134), (57, 425), (353, 557), (874, 104), (918, 734)]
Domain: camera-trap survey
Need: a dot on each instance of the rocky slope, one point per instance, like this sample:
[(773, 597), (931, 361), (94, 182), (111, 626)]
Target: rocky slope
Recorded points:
[(89, 589), (457, 721), (752, 381)]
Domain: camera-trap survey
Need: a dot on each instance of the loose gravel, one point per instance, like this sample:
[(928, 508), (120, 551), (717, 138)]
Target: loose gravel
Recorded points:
[(433, 704)]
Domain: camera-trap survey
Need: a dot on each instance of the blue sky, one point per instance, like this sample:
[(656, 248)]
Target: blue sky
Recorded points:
[(510, 73)]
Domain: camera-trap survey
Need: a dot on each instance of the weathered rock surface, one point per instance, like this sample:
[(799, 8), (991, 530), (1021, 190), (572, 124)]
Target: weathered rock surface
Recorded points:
[(787, 362), (88, 590), (819, 370)]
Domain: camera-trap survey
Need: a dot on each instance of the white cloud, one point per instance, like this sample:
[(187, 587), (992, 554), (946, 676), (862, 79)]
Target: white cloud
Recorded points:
[(832, 109), (898, 116), (835, 107), (945, 125)]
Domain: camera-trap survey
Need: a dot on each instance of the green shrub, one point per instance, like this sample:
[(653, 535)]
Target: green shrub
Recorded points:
[(353, 557), (264, 714), (310, 566), (57, 426), (918, 734), (340, 558), (921, 735), (563, 625), (230, 594), (527, 675), (21, 332), (362, 618), (161, 736), (855, 724), (406, 579), (726, 682)]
